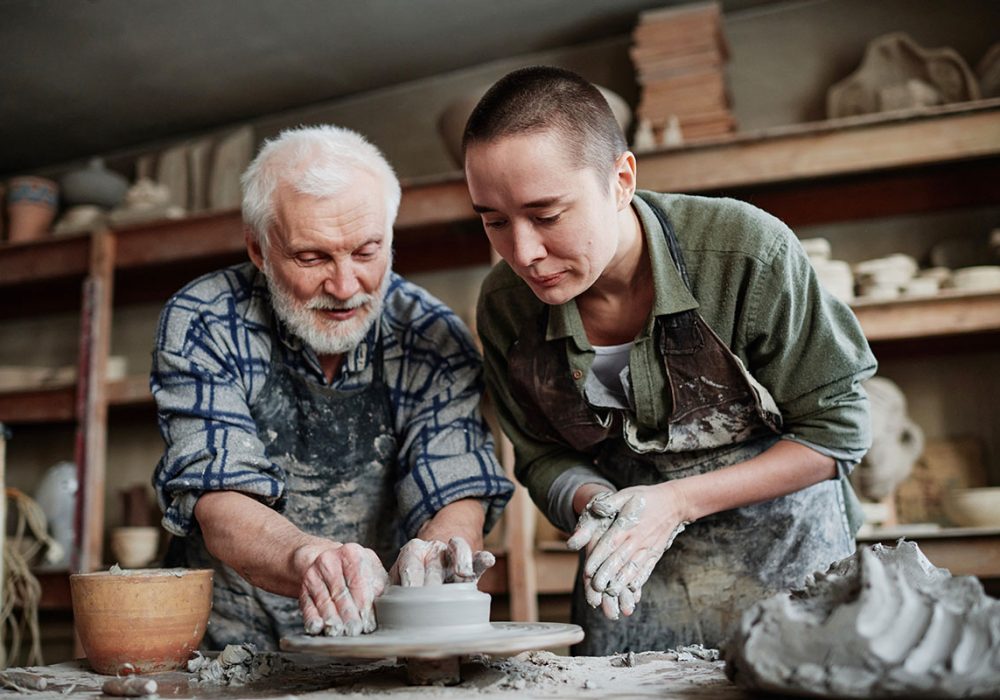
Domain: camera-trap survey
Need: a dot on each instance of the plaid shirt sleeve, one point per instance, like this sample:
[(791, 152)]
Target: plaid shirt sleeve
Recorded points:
[(446, 451), (207, 362), (212, 357)]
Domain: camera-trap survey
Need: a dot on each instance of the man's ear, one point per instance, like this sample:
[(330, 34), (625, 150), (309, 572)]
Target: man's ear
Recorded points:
[(624, 179), (253, 248)]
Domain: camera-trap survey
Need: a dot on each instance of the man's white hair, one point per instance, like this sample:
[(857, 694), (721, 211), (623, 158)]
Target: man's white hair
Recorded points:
[(320, 161)]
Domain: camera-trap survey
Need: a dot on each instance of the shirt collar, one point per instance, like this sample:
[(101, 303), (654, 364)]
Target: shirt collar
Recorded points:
[(670, 294)]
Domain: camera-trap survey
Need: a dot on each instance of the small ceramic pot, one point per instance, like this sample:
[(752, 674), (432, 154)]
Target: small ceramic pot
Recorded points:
[(31, 207), (135, 547)]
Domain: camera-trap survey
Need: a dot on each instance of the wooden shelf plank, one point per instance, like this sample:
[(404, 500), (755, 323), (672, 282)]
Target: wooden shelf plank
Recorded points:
[(48, 404), (948, 313), (164, 242), (129, 391), (826, 149), (51, 258)]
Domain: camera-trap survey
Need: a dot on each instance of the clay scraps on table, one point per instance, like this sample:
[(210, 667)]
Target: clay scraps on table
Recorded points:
[(237, 664)]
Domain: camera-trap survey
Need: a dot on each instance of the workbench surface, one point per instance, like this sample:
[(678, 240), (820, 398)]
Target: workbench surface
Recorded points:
[(528, 675)]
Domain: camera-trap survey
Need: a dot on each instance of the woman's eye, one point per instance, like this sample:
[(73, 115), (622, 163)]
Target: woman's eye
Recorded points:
[(548, 219), (498, 223)]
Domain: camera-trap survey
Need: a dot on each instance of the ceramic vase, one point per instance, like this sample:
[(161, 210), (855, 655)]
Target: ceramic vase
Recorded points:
[(31, 207), (94, 185)]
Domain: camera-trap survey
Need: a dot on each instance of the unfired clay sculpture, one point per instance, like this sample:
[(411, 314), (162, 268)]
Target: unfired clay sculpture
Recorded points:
[(898, 73), (884, 622), (897, 442)]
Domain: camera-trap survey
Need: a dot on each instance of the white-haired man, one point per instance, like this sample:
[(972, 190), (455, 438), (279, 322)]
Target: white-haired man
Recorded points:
[(318, 409)]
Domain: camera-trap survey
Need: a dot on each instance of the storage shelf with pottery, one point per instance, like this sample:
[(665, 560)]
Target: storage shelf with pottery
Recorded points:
[(847, 169)]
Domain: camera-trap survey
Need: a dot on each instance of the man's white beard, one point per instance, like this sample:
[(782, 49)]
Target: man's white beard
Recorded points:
[(323, 335)]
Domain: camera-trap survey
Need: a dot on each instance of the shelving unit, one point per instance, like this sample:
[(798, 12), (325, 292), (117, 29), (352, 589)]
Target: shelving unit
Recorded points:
[(841, 170)]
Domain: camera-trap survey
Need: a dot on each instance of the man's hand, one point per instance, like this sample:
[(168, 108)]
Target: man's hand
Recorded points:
[(340, 583), (431, 562), (625, 534)]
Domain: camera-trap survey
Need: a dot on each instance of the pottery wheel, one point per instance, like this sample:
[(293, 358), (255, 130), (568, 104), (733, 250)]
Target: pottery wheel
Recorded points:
[(501, 638)]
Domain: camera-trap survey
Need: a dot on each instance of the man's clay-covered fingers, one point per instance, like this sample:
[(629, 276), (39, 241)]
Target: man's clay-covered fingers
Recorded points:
[(315, 585), (311, 619), (645, 571), (460, 555), (380, 577), (339, 571), (410, 563), (360, 577), (435, 563), (610, 607), (626, 602), (481, 562)]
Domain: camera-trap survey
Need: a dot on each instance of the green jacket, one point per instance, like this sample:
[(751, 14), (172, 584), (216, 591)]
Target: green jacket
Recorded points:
[(752, 283)]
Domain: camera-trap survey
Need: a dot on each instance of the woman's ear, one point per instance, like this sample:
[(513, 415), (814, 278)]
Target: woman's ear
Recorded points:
[(624, 179)]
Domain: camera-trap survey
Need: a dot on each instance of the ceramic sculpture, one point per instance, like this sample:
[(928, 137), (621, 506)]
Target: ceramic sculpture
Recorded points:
[(897, 73)]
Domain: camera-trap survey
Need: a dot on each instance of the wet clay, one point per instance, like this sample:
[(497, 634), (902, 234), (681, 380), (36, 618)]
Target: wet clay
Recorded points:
[(425, 608), (884, 622)]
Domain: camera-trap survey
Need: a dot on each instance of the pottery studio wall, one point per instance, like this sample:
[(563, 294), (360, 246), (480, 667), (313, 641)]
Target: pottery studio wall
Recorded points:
[(783, 57)]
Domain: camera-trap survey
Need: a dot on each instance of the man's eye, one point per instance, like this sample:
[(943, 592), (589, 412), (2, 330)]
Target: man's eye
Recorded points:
[(366, 253), (548, 219), (497, 223), (308, 259)]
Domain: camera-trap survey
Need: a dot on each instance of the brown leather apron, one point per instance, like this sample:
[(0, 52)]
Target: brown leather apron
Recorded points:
[(719, 416)]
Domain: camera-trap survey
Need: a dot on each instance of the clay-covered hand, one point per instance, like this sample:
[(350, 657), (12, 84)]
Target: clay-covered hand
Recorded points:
[(430, 562), (625, 534), (340, 583)]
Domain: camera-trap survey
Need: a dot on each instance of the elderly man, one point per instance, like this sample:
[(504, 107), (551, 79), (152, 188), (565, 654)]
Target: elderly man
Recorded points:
[(318, 409)]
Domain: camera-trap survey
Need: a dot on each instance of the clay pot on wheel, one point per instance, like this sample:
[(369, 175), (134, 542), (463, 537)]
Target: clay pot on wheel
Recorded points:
[(31, 207)]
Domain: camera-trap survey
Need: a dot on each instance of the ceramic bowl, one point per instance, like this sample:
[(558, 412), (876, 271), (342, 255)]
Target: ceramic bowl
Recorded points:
[(977, 278), (979, 507), (152, 619), (135, 547)]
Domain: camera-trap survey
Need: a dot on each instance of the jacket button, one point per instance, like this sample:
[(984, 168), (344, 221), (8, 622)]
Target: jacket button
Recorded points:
[(577, 374)]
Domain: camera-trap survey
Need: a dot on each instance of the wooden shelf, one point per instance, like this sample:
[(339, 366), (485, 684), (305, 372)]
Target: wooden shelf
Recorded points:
[(946, 314), (57, 404), (913, 156)]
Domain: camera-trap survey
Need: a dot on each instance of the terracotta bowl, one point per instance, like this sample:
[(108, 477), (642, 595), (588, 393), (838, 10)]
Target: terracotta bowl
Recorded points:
[(978, 507), (152, 619)]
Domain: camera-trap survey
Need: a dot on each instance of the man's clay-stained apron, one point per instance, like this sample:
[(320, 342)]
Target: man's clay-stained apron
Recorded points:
[(338, 452), (720, 416)]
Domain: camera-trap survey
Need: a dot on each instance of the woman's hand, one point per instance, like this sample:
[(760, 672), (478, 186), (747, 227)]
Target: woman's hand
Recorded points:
[(625, 534)]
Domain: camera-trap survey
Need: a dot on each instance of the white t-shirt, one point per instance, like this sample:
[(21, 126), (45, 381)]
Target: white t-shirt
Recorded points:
[(609, 363)]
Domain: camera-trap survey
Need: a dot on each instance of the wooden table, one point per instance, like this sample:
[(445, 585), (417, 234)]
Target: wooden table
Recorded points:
[(529, 675)]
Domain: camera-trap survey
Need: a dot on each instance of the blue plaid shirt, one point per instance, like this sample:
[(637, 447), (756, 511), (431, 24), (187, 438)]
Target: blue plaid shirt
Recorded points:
[(213, 355)]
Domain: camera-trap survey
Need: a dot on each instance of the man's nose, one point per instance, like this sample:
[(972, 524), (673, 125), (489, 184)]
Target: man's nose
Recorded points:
[(528, 247), (341, 282)]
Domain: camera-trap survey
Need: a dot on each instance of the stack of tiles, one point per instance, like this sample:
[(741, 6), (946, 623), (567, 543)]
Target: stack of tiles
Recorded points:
[(680, 55)]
